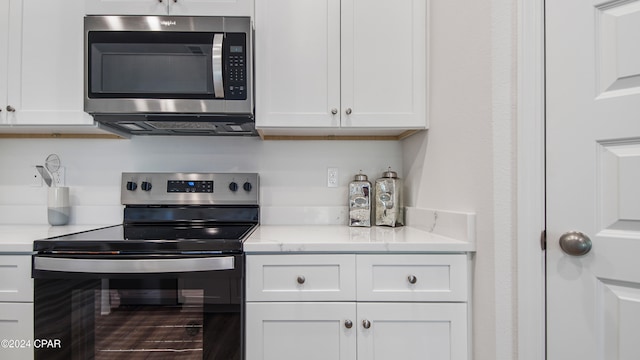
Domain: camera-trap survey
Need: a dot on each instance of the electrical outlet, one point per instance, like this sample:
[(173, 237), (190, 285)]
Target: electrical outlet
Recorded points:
[(36, 179), (58, 177), (332, 177)]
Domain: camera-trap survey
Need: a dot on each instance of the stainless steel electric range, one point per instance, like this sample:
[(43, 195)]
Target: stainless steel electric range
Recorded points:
[(167, 283)]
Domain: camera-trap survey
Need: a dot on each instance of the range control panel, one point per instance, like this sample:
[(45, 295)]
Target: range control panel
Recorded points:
[(189, 188)]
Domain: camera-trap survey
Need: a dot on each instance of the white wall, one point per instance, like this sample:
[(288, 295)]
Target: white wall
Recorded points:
[(293, 174), (465, 160)]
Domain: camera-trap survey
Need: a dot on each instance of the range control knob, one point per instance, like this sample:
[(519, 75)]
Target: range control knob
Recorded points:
[(233, 186), (247, 186), (146, 186), (131, 185)]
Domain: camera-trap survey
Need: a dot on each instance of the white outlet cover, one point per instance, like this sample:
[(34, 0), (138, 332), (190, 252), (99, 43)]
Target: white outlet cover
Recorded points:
[(332, 177)]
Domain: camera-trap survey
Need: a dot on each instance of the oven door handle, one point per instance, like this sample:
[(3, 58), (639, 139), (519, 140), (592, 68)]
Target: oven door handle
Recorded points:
[(133, 266)]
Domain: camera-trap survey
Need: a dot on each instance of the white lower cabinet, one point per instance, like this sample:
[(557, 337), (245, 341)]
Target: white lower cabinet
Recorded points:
[(412, 331), (285, 321), (16, 331), (294, 331), (16, 307)]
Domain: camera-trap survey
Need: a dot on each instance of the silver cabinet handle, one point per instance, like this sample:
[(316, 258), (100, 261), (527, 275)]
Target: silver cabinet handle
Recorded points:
[(366, 324), (575, 243), (216, 57), (11, 108), (334, 111), (301, 279), (348, 324), (348, 111), (412, 279)]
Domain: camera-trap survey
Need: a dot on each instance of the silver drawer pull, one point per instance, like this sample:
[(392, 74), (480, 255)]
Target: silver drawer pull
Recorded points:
[(412, 279), (348, 324), (301, 279), (366, 324)]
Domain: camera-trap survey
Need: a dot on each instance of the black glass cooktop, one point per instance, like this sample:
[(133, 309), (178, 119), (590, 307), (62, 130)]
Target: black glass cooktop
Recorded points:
[(151, 239)]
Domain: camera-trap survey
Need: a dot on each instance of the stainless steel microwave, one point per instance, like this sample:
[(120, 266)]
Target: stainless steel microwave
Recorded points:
[(170, 75)]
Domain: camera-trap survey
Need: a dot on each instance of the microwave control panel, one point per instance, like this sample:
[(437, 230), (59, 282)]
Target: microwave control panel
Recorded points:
[(235, 54)]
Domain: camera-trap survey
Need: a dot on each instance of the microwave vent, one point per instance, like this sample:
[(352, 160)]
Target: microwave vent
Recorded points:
[(181, 125), (196, 50)]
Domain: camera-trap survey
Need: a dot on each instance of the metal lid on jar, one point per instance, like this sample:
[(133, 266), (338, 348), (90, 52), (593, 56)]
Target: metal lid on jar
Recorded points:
[(390, 174), (361, 177)]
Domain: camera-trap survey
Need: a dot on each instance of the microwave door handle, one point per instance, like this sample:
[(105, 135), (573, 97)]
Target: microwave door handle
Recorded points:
[(218, 85)]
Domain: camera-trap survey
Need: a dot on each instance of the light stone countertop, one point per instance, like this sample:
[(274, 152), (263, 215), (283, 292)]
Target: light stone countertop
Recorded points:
[(277, 238), (341, 238), (19, 238)]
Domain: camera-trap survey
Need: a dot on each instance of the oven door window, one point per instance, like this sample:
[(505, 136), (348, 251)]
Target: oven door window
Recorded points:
[(147, 318), (150, 65)]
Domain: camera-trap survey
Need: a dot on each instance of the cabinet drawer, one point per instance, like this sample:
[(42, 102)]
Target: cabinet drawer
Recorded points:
[(16, 284), (412, 277), (301, 278)]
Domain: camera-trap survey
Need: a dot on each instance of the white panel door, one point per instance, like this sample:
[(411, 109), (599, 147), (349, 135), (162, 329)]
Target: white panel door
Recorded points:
[(593, 178), (384, 68), (295, 331), (412, 331), (46, 63), (4, 50), (297, 63)]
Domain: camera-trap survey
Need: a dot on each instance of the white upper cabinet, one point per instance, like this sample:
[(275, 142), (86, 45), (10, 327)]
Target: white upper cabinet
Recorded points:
[(4, 49), (41, 80), (383, 63), (297, 63), (341, 64), (170, 7)]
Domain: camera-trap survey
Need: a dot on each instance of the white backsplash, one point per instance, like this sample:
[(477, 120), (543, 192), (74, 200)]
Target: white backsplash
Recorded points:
[(293, 174), (453, 224)]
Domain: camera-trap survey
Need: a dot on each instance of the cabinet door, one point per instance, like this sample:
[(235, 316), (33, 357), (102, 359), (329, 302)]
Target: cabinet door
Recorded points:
[(211, 7), (16, 284), (46, 63), (127, 7), (384, 68), (16, 325), (4, 49), (294, 331), (412, 331), (297, 63)]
